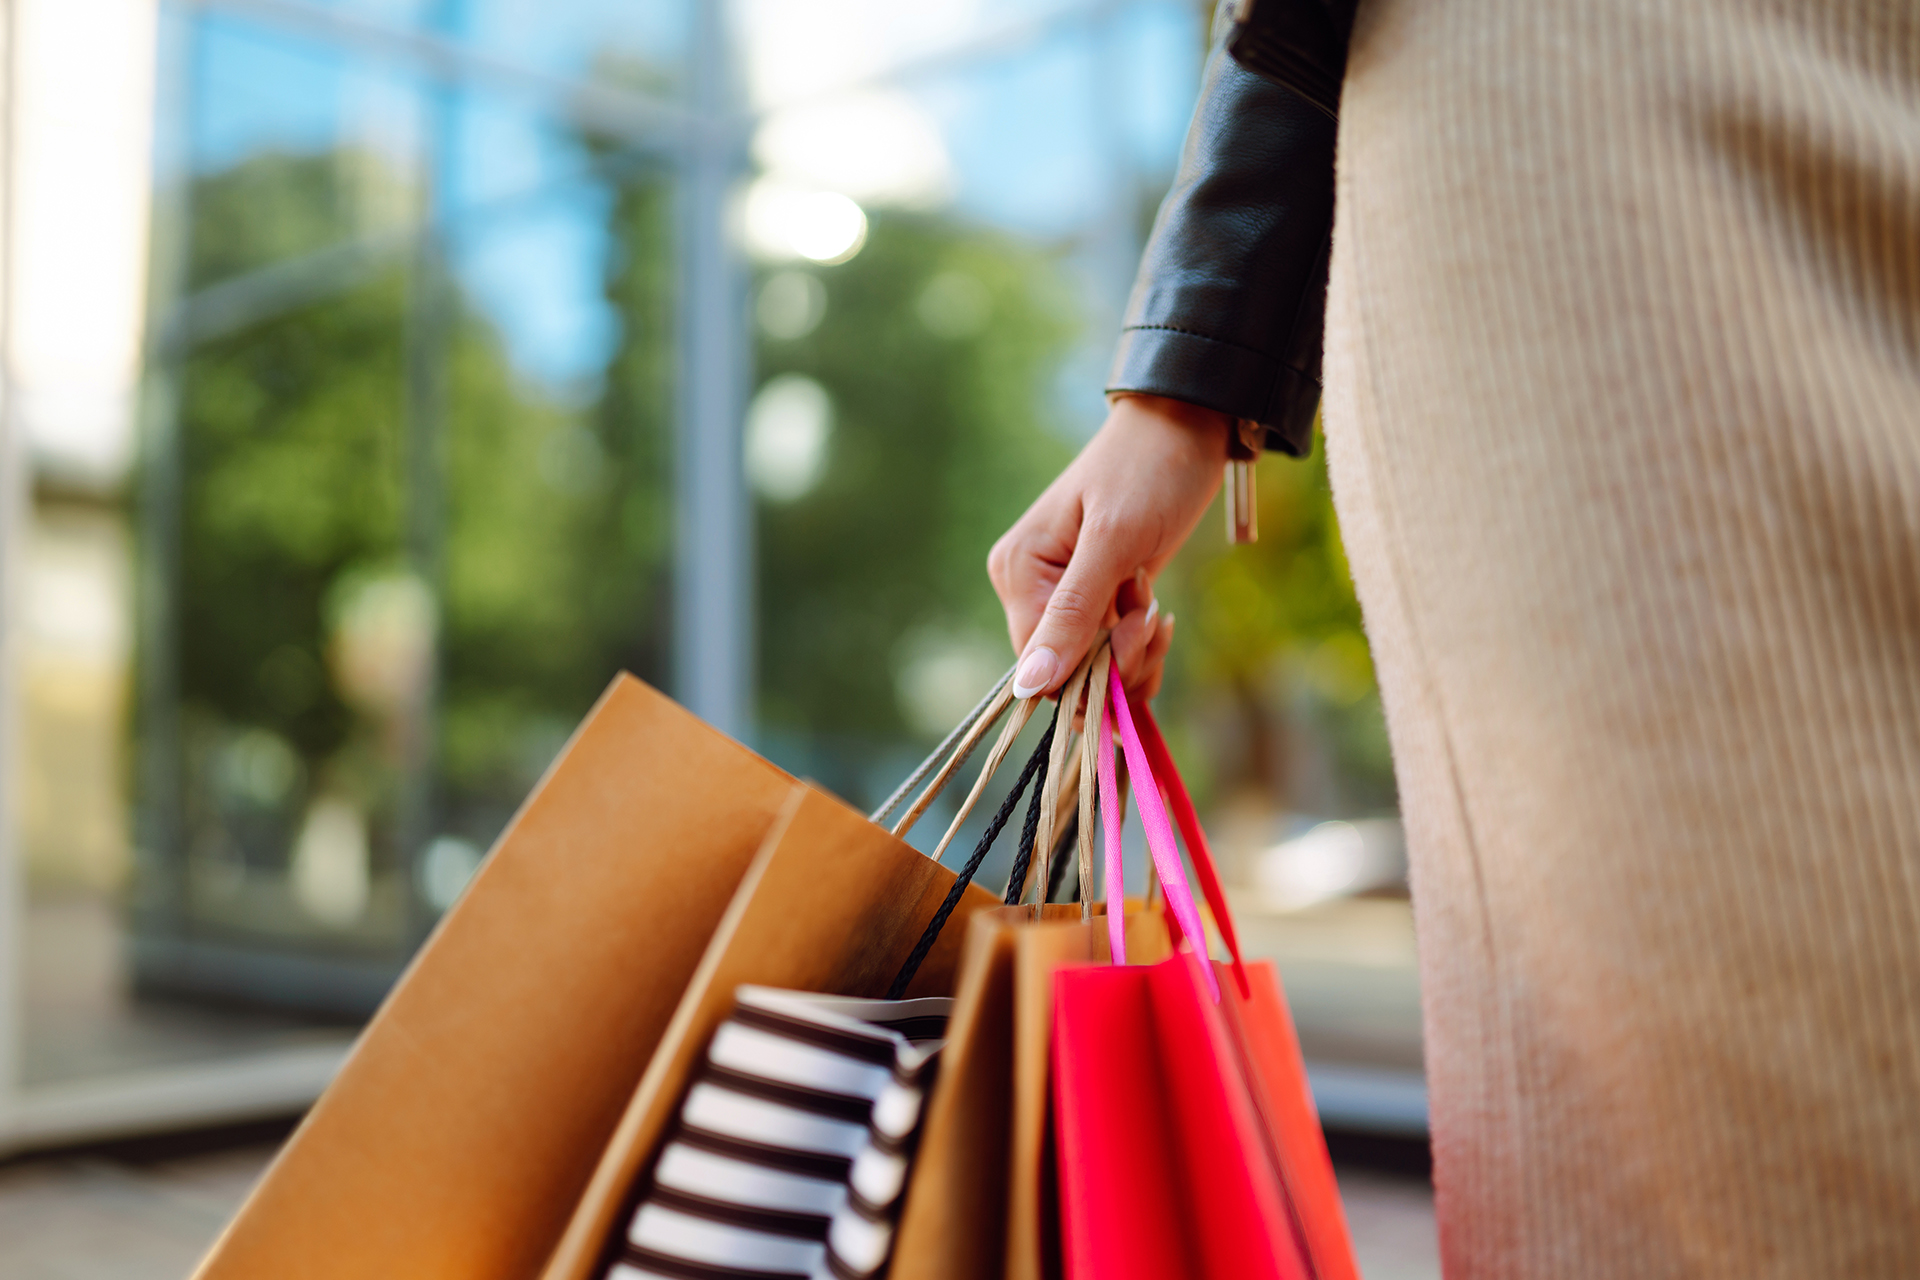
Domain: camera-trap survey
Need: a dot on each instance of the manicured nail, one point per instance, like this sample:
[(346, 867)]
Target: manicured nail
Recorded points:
[(1035, 673), (1153, 611)]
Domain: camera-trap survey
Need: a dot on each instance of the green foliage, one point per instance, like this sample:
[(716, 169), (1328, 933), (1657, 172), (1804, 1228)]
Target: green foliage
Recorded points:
[(551, 546), (274, 207), (290, 439), (557, 535), (939, 442), (1286, 595), (550, 566), (1273, 630)]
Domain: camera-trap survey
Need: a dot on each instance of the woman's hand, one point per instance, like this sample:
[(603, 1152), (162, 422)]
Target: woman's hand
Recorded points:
[(1086, 552)]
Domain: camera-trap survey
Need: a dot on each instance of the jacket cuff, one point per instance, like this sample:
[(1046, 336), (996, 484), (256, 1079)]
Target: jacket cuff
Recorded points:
[(1224, 377)]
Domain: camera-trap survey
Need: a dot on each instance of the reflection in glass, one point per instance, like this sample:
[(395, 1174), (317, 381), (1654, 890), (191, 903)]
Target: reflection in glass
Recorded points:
[(418, 525), (404, 500)]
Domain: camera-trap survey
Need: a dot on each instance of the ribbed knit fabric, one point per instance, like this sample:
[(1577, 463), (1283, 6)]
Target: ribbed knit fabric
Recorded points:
[(1623, 414)]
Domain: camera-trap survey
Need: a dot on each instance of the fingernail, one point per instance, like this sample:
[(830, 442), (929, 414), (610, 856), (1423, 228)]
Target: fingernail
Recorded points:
[(1153, 611), (1035, 673)]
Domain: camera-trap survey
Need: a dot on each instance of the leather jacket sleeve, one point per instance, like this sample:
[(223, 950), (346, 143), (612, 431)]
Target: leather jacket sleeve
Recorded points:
[(1230, 301), (1301, 44)]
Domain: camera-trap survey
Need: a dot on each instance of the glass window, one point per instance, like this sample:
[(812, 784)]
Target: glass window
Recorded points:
[(477, 333), (412, 514)]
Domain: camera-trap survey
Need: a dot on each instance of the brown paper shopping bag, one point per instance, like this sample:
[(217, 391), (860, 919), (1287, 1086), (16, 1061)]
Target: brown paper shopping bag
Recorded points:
[(953, 1224), (832, 904), (976, 1202), (459, 1135)]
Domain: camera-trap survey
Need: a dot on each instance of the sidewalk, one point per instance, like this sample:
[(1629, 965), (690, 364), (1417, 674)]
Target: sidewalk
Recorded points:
[(98, 1217)]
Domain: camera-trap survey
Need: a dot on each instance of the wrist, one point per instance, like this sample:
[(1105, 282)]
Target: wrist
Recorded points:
[(1186, 414), (1208, 432)]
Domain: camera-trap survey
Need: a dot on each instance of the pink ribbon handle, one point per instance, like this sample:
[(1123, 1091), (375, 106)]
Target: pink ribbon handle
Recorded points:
[(1110, 820), (1167, 773), (1153, 816)]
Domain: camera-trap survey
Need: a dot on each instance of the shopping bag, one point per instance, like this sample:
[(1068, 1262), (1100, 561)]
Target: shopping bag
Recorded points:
[(954, 1220), (976, 1205), (980, 1201), (1264, 1037), (833, 904), (458, 1137), (460, 1133), (1181, 1142), (1042, 950), (794, 1143), (954, 1223)]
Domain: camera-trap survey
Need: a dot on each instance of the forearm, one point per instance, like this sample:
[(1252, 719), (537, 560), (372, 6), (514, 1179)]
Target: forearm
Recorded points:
[(1228, 307)]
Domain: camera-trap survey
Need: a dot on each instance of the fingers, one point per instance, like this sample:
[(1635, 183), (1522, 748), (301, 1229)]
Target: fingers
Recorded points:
[(1131, 637), (1155, 664), (1125, 504), (1140, 645), (1075, 611), (1027, 563)]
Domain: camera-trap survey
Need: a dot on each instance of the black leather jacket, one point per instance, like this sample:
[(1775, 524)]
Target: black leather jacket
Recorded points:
[(1228, 308)]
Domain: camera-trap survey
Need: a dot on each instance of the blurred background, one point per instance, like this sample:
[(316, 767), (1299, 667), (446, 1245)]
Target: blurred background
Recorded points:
[(382, 376)]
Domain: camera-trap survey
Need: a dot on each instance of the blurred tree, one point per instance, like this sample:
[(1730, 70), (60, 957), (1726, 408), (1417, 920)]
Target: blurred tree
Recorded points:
[(292, 444), (1273, 631), (935, 346), (289, 456), (558, 548), (930, 357)]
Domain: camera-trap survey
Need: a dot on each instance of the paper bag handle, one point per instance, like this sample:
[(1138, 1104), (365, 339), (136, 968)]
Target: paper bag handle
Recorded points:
[(1089, 780), (1042, 817), (942, 752), (932, 932), (998, 703)]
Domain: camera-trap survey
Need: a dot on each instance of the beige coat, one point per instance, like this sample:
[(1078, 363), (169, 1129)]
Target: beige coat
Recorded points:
[(1623, 412)]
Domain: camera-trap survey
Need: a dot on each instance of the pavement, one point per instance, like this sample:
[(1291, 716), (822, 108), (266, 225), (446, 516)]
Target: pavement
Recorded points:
[(96, 1217), (144, 1215), (148, 1211), (1391, 1217)]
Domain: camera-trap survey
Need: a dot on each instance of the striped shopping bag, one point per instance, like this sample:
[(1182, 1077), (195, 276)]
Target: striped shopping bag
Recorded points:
[(792, 1148)]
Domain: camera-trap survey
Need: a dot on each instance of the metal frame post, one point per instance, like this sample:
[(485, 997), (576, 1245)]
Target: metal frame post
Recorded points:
[(430, 321), (13, 499), (713, 560)]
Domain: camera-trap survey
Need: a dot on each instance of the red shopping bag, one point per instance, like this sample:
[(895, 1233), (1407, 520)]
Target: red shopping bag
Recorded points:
[(1263, 1029), (1186, 1138)]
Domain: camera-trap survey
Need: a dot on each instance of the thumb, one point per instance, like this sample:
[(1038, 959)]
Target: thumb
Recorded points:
[(1076, 609)]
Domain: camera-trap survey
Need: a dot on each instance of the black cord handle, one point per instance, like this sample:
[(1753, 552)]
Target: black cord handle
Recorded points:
[(1017, 881), (939, 921)]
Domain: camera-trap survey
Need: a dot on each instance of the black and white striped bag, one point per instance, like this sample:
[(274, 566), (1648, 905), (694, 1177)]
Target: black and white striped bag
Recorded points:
[(790, 1157)]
